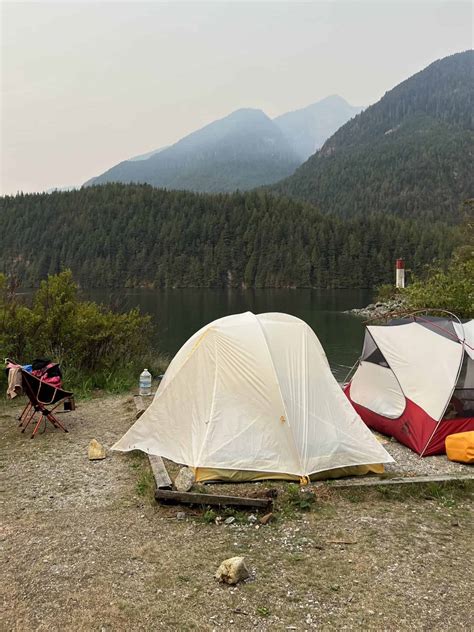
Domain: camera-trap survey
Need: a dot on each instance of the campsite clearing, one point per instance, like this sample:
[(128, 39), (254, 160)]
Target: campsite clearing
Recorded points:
[(86, 548)]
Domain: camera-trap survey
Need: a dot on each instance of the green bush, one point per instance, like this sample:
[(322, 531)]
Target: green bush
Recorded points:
[(97, 347), (387, 292), (451, 289)]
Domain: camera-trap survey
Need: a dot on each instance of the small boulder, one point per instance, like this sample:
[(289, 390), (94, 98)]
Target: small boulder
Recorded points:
[(232, 571), (266, 518), (96, 451), (185, 479)]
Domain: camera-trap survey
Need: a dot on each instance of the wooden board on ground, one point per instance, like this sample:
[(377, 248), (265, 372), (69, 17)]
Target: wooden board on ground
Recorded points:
[(160, 472), (192, 498), (376, 482), (158, 468)]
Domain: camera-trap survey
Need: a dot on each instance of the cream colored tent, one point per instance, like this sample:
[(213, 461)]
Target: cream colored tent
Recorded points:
[(252, 396)]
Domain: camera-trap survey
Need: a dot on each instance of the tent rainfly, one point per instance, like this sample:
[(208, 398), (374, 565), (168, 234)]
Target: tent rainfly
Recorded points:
[(415, 381), (252, 397)]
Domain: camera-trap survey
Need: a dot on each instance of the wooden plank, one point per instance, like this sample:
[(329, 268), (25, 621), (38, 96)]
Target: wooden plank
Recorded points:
[(160, 472), (158, 468), (421, 480), (191, 498)]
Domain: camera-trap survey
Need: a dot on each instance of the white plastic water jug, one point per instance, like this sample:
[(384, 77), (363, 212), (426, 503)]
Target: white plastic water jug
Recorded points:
[(145, 383)]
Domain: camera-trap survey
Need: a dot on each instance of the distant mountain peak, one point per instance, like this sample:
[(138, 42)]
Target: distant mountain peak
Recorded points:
[(248, 113), (309, 127)]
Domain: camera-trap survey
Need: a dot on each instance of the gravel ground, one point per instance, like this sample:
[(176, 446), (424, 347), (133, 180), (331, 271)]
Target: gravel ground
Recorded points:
[(408, 463), (85, 548)]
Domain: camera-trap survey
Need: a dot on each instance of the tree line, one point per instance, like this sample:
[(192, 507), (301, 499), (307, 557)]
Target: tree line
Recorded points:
[(118, 235)]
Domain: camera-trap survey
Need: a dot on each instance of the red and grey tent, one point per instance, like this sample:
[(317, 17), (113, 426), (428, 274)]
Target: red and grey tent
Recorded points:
[(415, 381)]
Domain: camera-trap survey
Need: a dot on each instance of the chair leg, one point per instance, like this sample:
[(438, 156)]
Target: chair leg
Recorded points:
[(38, 423), (26, 422), (56, 423), (44, 415), (24, 412), (22, 417)]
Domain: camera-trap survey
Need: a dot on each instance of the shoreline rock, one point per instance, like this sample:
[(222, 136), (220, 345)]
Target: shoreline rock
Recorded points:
[(381, 309)]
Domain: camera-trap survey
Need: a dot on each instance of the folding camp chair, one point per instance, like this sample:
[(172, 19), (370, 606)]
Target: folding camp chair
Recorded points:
[(43, 399)]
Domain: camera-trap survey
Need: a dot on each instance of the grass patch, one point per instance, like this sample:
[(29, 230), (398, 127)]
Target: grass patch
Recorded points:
[(295, 500), (209, 516), (445, 493), (145, 485)]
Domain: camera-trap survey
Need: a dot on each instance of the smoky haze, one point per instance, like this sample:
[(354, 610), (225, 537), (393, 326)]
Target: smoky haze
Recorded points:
[(85, 86)]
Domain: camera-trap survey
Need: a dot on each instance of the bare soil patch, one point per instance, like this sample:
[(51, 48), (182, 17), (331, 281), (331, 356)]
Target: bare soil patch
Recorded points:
[(84, 547)]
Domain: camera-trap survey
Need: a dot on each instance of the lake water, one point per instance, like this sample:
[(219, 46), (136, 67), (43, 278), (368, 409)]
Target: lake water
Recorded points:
[(177, 314)]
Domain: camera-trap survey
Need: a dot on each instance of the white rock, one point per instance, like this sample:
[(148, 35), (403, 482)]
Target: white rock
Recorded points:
[(232, 571), (185, 479)]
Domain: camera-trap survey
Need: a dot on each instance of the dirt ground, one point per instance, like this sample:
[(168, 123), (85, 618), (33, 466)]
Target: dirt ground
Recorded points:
[(84, 547)]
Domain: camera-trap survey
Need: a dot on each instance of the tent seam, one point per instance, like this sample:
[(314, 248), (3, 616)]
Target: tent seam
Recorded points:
[(211, 413), (306, 386), (281, 394), (188, 357), (449, 399)]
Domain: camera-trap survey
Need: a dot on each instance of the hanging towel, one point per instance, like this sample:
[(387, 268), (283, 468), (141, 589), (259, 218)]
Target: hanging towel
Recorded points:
[(15, 386)]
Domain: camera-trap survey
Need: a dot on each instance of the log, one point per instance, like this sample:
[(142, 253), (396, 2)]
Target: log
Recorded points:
[(421, 480), (193, 498)]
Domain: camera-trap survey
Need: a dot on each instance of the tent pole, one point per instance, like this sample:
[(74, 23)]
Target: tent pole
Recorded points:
[(350, 371), (429, 440)]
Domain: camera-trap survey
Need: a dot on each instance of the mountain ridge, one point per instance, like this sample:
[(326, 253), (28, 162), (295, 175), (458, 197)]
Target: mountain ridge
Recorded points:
[(409, 153), (242, 150), (237, 151), (310, 126)]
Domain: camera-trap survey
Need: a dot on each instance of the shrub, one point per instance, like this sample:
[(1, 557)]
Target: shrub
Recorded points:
[(451, 289), (387, 292), (97, 347)]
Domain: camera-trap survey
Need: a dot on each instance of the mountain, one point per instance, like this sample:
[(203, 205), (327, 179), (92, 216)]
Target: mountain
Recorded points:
[(409, 154), (241, 151), (149, 154), (307, 129), (119, 235)]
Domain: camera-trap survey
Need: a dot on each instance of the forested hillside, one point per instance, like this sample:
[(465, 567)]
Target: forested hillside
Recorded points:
[(410, 154), (135, 235)]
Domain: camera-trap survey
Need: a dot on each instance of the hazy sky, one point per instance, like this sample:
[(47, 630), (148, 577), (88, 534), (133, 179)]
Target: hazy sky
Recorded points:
[(86, 85)]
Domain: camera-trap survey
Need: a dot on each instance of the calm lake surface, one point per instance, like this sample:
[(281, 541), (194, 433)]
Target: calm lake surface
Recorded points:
[(177, 314)]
